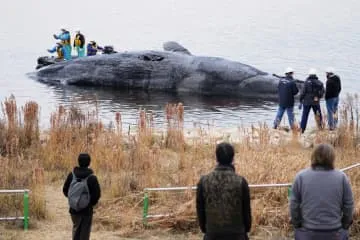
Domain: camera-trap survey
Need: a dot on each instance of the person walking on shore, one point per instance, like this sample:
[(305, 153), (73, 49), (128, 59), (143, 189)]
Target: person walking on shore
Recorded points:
[(287, 89), (310, 96), (332, 91), (83, 192), (321, 202), (223, 200)]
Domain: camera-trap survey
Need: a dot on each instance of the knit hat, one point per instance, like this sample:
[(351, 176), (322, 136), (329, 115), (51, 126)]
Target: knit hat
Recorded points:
[(224, 153), (84, 160)]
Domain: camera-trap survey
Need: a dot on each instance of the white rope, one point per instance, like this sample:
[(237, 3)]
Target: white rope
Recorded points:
[(15, 191)]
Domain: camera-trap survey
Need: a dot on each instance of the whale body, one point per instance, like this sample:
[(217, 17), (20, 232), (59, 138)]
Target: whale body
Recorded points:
[(173, 70)]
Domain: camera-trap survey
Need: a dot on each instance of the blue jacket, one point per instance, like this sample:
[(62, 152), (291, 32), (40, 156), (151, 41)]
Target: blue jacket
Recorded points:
[(91, 50), (64, 37), (287, 89), (312, 91), (52, 50), (59, 50)]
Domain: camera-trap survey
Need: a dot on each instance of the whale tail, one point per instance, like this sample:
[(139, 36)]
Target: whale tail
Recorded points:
[(175, 47)]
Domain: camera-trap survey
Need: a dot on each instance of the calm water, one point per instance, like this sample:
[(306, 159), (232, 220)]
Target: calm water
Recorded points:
[(269, 35)]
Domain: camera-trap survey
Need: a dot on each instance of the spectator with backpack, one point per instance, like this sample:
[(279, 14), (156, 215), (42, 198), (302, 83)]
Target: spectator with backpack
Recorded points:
[(83, 192)]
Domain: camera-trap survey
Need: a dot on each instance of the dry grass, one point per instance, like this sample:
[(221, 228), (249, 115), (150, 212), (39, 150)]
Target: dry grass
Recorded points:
[(127, 163)]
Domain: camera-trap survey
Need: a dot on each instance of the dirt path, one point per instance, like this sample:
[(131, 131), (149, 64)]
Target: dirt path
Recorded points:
[(57, 226)]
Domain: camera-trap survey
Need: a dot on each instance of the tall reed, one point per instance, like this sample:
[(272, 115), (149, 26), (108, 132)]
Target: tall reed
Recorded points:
[(148, 157)]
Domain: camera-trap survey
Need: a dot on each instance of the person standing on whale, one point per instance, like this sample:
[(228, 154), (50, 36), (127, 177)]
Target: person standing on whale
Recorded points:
[(65, 38), (287, 90), (79, 44)]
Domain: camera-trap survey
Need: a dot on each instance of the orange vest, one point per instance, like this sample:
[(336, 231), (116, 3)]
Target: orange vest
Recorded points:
[(77, 41), (59, 52), (64, 42)]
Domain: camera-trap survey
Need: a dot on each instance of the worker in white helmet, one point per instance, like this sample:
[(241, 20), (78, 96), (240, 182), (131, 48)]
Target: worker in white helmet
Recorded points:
[(287, 89), (333, 89), (310, 96)]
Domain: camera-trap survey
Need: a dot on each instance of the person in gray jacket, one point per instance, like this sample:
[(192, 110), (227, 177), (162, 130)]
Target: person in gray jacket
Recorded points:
[(321, 203)]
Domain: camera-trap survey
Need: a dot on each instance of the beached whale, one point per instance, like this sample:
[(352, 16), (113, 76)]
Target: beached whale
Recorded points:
[(174, 70)]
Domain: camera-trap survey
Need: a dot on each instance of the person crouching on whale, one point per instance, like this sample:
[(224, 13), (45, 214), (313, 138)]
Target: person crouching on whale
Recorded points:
[(65, 38), (92, 48), (59, 50), (79, 44), (287, 89)]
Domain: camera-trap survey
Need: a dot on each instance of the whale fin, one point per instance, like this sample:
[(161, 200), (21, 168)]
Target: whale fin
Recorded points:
[(175, 47)]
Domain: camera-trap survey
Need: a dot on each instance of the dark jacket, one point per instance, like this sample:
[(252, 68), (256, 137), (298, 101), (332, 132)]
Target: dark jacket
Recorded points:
[(223, 204), (287, 90), (94, 188), (312, 91), (92, 49), (81, 39), (333, 87)]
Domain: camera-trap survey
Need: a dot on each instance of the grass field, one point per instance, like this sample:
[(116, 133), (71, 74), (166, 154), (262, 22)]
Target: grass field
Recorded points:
[(126, 163)]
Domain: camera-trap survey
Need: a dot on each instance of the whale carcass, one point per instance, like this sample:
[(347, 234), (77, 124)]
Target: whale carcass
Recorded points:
[(174, 70)]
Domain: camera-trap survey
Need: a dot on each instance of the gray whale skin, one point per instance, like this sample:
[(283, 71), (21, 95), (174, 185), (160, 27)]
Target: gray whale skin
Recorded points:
[(171, 70)]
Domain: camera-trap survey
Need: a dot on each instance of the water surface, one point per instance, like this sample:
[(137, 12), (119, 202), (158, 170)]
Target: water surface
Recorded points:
[(269, 35)]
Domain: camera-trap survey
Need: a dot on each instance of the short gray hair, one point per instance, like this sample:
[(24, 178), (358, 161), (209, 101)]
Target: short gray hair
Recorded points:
[(323, 156)]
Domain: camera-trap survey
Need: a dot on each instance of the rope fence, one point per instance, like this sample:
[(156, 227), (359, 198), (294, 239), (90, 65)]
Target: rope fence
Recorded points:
[(146, 205), (25, 218)]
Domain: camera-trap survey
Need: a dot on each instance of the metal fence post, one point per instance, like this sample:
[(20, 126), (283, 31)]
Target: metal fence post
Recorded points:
[(146, 215), (146, 208), (289, 192), (26, 210)]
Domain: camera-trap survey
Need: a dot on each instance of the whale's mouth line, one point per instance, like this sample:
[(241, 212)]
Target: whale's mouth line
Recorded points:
[(151, 57)]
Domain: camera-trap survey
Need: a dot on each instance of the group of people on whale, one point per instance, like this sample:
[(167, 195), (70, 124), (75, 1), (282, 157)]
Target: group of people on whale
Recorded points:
[(310, 94), (64, 47)]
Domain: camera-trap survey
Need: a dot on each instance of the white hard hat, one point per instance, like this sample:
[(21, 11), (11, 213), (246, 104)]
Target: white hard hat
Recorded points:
[(312, 71), (289, 70), (330, 70)]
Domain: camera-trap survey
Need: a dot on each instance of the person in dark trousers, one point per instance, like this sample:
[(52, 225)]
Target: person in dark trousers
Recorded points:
[(311, 93), (333, 89), (223, 200), (321, 202), (287, 90), (82, 219)]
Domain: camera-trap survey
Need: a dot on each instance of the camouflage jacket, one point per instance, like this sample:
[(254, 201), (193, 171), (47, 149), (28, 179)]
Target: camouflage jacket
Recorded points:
[(223, 202)]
